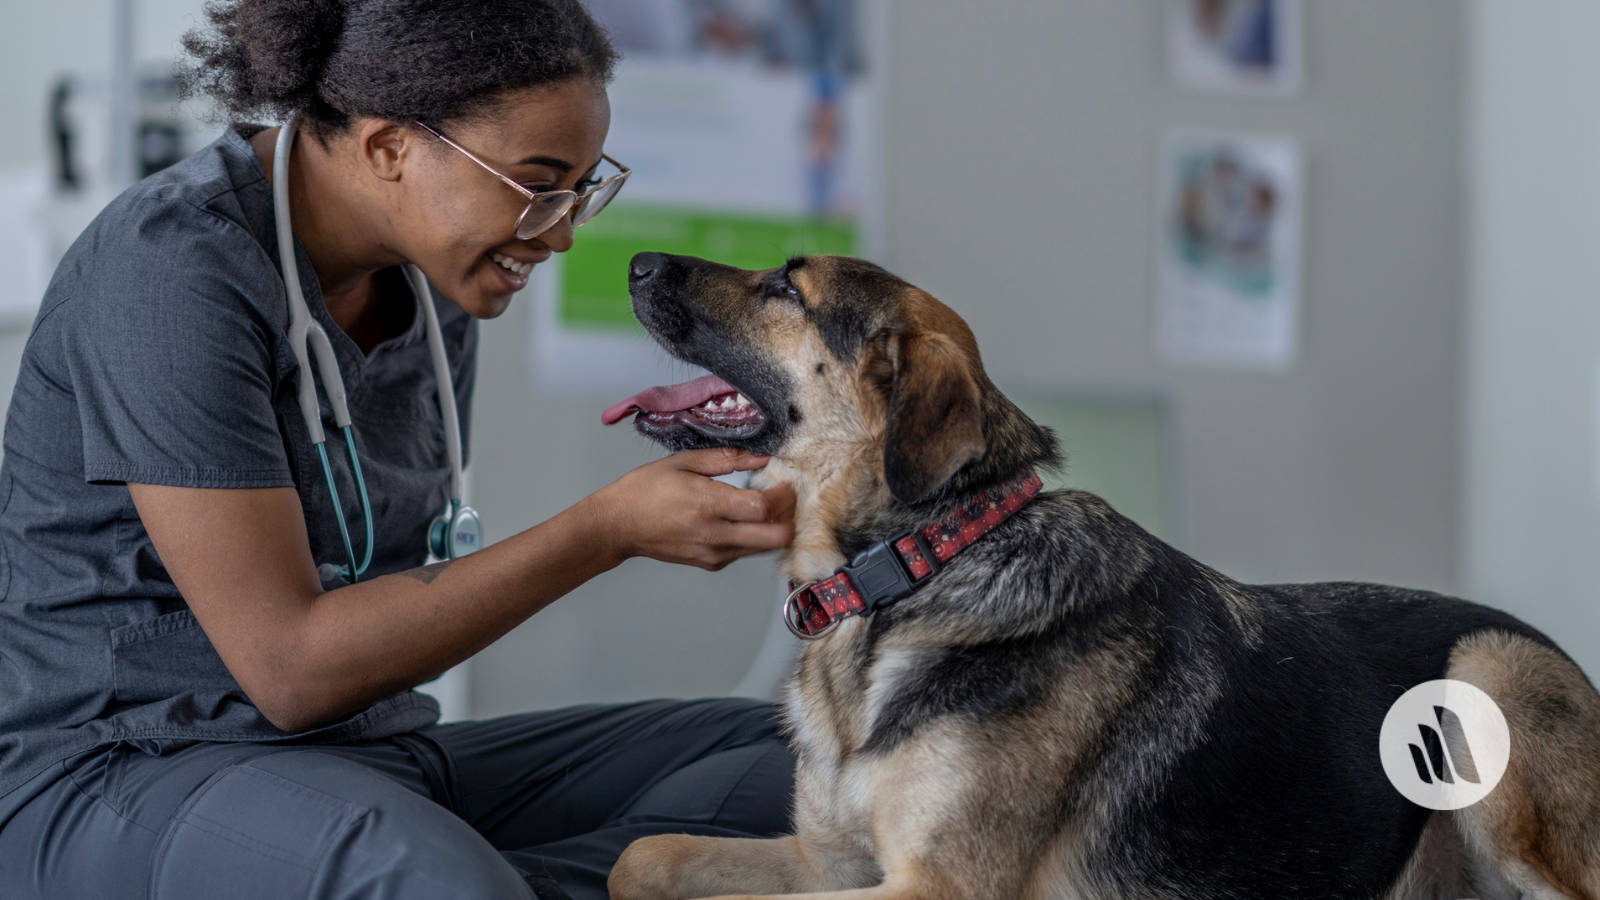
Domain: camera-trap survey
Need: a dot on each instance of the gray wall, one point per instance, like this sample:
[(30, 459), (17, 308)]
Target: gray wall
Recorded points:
[(1532, 471), (1024, 136)]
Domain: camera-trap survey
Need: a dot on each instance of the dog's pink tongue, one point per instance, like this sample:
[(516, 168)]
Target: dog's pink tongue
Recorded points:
[(669, 398)]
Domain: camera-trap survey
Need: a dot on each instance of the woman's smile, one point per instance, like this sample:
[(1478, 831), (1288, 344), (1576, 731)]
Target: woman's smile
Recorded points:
[(509, 270)]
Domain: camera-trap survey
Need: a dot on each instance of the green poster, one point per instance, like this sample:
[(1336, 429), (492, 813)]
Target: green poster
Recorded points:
[(594, 280)]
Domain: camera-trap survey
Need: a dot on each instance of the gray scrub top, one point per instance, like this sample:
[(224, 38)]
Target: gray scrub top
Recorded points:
[(159, 356)]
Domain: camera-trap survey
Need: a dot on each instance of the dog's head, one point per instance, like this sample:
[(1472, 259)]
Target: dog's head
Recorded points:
[(842, 372)]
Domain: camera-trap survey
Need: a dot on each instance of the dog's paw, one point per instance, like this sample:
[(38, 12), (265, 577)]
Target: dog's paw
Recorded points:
[(647, 870)]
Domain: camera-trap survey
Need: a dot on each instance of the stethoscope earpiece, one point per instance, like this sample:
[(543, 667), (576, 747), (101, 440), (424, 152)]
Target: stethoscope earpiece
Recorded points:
[(450, 536)]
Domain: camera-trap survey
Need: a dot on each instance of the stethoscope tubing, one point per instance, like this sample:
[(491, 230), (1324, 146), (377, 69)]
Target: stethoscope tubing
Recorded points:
[(308, 337)]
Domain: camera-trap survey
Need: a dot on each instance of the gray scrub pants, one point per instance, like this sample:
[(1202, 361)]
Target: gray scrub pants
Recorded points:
[(534, 805)]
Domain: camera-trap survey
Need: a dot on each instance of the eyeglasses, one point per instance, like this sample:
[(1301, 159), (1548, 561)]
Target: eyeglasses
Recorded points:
[(545, 208)]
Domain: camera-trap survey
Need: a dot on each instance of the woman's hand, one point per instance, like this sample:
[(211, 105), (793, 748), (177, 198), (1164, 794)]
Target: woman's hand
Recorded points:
[(672, 510)]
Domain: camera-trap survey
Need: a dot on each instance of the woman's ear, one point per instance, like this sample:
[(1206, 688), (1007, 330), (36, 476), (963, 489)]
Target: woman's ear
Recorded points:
[(935, 418), (382, 146)]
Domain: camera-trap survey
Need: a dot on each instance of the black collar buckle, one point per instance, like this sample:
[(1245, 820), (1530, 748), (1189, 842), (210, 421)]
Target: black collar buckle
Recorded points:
[(880, 575)]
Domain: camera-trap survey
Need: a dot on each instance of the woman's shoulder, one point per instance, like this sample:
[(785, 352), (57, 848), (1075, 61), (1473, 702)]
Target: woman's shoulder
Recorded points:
[(196, 233), (220, 189)]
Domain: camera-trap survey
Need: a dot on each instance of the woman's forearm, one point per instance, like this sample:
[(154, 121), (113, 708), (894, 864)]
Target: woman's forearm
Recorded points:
[(361, 643)]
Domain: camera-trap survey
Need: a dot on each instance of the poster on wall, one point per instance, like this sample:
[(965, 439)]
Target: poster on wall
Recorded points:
[(750, 129), (1229, 250), (1240, 46)]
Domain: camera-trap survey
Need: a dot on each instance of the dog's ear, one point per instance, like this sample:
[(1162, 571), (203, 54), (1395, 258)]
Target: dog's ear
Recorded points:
[(935, 420)]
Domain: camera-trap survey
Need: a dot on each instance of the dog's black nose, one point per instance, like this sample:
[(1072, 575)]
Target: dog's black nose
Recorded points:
[(645, 266)]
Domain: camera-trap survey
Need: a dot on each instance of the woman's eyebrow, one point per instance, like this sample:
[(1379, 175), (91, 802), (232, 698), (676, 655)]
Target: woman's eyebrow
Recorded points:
[(550, 161), (559, 164)]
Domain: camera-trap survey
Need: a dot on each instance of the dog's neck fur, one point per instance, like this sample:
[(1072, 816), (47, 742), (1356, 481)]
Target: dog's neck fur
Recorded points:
[(821, 498), (842, 510)]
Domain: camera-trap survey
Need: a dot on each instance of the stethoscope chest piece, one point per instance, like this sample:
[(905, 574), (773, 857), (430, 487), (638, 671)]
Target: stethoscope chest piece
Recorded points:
[(456, 533)]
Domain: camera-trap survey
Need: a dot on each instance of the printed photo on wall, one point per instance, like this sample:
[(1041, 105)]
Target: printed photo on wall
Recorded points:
[(1244, 46), (1229, 249)]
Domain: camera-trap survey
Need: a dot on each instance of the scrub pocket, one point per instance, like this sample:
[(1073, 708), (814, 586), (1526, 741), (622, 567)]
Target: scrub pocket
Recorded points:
[(167, 656)]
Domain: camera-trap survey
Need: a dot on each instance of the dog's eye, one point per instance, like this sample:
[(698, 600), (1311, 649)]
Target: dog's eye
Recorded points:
[(781, 287)]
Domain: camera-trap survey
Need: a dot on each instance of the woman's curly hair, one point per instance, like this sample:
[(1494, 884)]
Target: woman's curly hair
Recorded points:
[(328, 61)]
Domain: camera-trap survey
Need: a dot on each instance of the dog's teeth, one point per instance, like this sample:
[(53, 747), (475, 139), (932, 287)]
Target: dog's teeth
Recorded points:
[(741, 400), (727, 403)]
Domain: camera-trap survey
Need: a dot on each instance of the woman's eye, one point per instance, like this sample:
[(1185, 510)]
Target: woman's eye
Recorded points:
[(585, 184)]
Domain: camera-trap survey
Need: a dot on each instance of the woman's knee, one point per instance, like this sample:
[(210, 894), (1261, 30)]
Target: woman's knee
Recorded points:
[(746, 720), (747, 789), (318, 825)]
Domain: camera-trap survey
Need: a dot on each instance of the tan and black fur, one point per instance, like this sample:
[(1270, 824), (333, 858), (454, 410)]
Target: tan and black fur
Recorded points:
[(1071, 708)]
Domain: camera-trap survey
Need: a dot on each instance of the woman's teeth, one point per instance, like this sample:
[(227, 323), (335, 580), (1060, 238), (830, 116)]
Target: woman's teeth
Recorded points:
[(511, 265)]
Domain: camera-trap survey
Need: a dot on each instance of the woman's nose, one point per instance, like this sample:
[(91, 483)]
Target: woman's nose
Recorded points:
[(558, 237)]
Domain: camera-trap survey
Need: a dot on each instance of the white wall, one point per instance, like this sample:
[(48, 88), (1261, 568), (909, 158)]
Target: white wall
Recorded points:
[(46, 38), (1531, 479)]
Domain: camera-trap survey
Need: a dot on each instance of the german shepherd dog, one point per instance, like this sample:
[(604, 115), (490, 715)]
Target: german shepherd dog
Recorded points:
[(1070, 708)]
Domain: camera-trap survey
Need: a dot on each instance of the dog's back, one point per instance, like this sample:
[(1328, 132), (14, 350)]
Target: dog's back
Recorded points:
[(1286, 791), (1231, 748)]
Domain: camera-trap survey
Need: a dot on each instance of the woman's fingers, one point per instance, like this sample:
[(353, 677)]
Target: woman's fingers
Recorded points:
[(718, 461), (775, 504), (745, 538), (679, 513), (780, 502), (753, 521)]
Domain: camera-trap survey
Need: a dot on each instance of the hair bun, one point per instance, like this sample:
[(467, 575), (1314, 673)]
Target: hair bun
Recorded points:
[(287, 44), (264, 55)]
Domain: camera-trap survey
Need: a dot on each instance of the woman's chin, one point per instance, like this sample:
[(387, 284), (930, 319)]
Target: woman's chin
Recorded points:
[(495, 306), (488, 298), (480, 305)]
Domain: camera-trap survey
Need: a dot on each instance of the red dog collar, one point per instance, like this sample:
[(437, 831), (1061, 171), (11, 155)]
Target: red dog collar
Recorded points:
[(891, 569)]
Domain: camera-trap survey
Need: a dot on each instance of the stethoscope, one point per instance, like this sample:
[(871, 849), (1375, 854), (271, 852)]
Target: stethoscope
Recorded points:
[(458, 531)]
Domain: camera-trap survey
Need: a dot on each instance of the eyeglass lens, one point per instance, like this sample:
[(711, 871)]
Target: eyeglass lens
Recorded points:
[(590, 206), (544, 210), (547, 208)]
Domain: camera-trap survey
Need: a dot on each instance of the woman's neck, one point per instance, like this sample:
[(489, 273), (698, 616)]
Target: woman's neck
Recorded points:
[(329, 223)]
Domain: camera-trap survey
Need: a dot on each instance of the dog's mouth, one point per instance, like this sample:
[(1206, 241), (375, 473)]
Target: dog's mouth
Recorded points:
[(708, 406)]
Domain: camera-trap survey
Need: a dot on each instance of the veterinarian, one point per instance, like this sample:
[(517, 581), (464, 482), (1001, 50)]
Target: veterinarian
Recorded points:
[(210, 626)]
